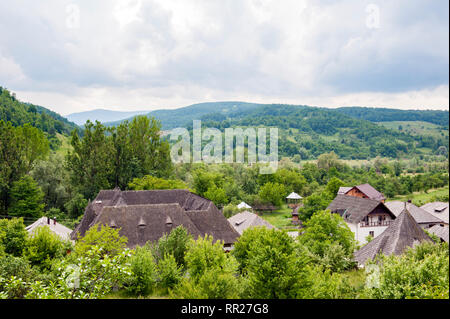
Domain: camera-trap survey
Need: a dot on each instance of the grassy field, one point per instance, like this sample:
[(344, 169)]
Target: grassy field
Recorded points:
[(65, 145), (421, 198), (281, 218), (416, 128)]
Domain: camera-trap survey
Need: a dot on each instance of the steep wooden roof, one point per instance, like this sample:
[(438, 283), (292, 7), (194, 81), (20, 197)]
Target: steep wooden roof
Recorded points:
[(420, 215), (143, 215), (354, 209), (440, 231), (404, 232), (244, 220), (437, 209), (370, 192)]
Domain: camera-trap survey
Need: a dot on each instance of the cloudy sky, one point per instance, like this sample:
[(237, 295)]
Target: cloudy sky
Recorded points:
[(78, 55)]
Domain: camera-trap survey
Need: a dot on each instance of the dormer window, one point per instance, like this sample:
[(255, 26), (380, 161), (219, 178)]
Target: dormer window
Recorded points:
[(142, 223)]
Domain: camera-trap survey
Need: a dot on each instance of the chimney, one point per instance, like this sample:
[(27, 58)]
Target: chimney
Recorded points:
[(48, 220)]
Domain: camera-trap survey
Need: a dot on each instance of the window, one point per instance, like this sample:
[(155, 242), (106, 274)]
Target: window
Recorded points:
[(372, 234)]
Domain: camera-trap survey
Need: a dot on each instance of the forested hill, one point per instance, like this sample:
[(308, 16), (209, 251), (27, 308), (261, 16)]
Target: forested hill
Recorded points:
[(388, 115), (311, 131), (19, 113), (172, 118)]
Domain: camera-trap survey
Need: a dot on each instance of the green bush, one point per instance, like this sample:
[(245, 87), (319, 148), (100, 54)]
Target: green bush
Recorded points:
[(212, 274), (44, 246), (16, 266), (175, 244), (93, 275), (329, 240), (13, 236), (169, 272), (143, 272), (101, 236), (421, 272)]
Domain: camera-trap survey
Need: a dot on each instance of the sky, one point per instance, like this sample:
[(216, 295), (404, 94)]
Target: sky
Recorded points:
[(126, 55)]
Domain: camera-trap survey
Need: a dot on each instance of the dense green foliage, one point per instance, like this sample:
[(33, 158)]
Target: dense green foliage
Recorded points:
[(311, 131), (19, 113), (13, 237), (27, 199), (20, 148), (329, 241), (149, 182), (106, 158), (420, 273), (387, 115), (212, 273)]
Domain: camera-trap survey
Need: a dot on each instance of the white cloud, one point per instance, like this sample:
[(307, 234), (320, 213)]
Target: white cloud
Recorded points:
[(135, 54)]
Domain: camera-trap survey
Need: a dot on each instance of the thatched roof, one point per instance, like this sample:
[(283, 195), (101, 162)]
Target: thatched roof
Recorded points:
[(437, 209), (440, 231), (62, 231), (404, 232), (354, 209), (150, 211), (245, 220), (420, 215)]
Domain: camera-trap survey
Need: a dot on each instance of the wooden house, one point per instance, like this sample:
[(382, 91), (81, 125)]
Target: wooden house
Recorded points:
[(362, 191), (363, 216)]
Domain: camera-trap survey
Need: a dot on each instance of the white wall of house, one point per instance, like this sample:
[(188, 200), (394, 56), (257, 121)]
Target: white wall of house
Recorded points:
[(362, 232)]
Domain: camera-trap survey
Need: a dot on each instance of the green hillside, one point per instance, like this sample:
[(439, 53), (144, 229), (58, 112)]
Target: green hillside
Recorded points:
[(387, 115), (183, 116), (19, 113), (311, 131)]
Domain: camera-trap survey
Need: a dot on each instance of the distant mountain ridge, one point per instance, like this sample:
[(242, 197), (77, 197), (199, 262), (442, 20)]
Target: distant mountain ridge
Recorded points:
[(18, 113), (102, 116), (181, 117)]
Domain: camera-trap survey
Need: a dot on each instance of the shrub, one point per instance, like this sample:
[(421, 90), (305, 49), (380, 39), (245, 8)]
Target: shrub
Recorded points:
[(271, 264), (93, 275), (101, 236), (143, 272), (211, 272), (13, 236), (169, 272), (16, 266), (175, 244), (44, 246), (421, 272)]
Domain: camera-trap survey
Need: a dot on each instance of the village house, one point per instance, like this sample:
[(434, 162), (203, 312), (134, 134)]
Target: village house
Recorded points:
[(144, 216), (364, 216), (245, 220), (362, 191), (402, 233), (437, 209), (62, 231), (421, 216), (440, 231)]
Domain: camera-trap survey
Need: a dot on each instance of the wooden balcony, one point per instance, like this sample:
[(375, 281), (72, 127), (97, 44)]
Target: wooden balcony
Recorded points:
[(376, 223)]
